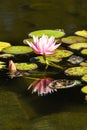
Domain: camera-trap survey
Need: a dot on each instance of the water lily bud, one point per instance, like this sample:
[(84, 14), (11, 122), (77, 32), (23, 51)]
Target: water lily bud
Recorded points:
[(12, 68)]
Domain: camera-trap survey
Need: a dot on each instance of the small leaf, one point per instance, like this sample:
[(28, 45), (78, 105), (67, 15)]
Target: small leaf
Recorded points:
[(84, 52), (26, 66), (6, 55), (56, 33), (4, 45), (84, 89), (83, 63), (82, 33), (84, 78), (17, 50)]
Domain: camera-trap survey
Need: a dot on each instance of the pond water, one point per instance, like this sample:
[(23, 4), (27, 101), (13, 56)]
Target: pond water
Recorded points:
[(19, 108)]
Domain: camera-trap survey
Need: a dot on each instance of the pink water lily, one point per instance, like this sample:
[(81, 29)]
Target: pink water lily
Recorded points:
[(41, 86), (44, 45)]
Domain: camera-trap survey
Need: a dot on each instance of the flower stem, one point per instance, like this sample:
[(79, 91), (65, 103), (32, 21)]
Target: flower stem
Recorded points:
[(46, 61)]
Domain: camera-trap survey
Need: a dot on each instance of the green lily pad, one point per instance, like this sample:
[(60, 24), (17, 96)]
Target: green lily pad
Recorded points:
[(83, 63), (17, 50), (62, 53), (82, 33), (2, 66), (84, 51), (76, 71), (4, 45), (26, 66), (56, 33), (84, 89), (73, 39), (1, 62), (78, 46), (84, 78), (49, 59)]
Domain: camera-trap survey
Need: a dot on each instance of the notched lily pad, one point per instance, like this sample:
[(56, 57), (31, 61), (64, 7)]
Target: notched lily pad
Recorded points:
[(84, 78), (17, 50), (84, 89), (76, 71), (82, 33), (49, 59), (73, 39), (26, 66), (56, 33), (78, 46), (62, 53), (74, 59), (84, 52), (64, 83), (4, 45)]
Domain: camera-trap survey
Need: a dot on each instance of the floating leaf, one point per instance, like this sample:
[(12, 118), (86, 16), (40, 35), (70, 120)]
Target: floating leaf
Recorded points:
[(84, 89), (78, 46), (75, 59), (84, 78), (2, 66), (73, 39), (82, 33), (64, 83), (76, 71), (4, 45), (56, 33), (83, 63), (84, 51), (26, 66), (18, 50), (1, 62), (49, 59), (62, 53), (6, 55)]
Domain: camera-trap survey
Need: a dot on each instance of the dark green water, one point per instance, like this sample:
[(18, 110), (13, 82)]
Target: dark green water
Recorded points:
[(19, 109)]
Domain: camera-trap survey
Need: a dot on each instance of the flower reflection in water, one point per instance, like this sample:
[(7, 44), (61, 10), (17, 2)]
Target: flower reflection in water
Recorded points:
[(42, 86)]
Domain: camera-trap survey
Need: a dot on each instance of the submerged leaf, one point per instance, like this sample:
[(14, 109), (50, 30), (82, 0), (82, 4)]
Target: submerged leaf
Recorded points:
[(4, 45), (73, 39), (56, 33), (74, 59), (76, 71), (78, 46), (26, 66), (17, 50), (82, 33)]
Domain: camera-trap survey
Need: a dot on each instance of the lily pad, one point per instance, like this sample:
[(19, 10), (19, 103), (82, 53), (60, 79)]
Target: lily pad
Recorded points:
[(78, 46), (83, 63), (6, 55), (73, 39), (26, 66), (17, 50), (62, 53), (64, 83), (76, 71), (4, 45), (84, 78), (84, 51), (2, 66), (49, 59), (84, 89), (56, 33), (82, 33)]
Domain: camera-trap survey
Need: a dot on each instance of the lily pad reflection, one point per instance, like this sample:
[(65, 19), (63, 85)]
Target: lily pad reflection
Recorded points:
[(64, 83)]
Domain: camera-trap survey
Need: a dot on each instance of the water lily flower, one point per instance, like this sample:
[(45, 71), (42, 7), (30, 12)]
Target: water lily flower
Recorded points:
[(41, 86), (44, 45)]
